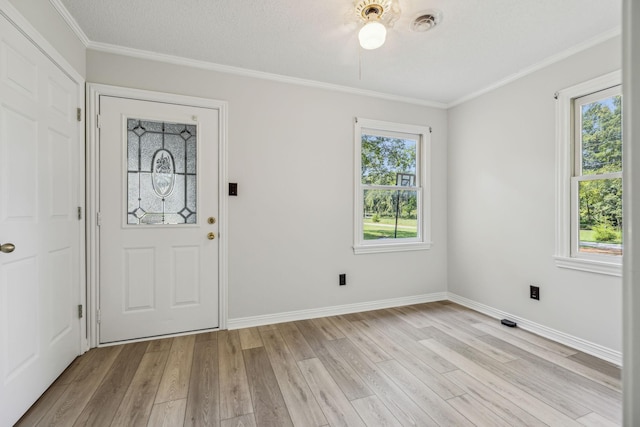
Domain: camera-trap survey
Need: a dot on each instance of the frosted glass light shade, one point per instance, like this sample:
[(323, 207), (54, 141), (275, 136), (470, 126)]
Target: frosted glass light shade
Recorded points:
[(372, 35)]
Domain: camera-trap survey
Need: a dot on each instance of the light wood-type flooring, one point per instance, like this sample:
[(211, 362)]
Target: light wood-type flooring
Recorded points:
[(436, 364)]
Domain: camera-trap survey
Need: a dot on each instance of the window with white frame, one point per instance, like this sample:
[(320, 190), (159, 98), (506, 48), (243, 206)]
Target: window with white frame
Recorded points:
[(391, 187), (589, 223)]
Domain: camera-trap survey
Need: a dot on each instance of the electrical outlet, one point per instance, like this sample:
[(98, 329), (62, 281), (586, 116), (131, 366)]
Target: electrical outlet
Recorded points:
[(534, 292), (342, 281)]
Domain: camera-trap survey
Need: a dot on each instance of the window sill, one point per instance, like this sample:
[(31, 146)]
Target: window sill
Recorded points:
[(589, 265), (391, 247)]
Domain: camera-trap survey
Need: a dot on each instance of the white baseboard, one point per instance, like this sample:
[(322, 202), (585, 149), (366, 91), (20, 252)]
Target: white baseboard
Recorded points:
[(289, 316), (593, 349)]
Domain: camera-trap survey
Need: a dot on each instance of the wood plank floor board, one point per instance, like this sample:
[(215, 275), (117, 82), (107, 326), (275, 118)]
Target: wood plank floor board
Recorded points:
[(412, 316), (269, 407), (203, 402), (235, 399), (303, 408), (374, 413), (360, 339), (443, 315), (477, 413), (527, 336), (175, 379), (69, 374), (350, 383), (104, 403), (543, 411), (412, 346), (595, 397), (388, 319), (600, 365), (377, 368), (470, 315), (595, 420), (160, 344), (475, 342), (423, 396), (551, 393), (42, 406), (399, 404), (247, 420), (71, 403), (334, 404), (250, 338), (566, 377), (296, 342), (137, 402), (425, 373), (552, 356), (504, 408), (207, 336), (328, 329), (168, 414)]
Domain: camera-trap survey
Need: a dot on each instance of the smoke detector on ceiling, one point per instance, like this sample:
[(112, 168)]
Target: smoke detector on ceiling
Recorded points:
[(425, 20)]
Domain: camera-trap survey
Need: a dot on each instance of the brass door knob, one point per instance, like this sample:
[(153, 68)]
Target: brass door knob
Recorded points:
[(211, 236), (7, 248), (211, 220)]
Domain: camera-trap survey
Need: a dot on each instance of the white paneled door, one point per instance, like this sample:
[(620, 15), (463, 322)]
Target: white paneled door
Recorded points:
[(158, 218), (40, 231)]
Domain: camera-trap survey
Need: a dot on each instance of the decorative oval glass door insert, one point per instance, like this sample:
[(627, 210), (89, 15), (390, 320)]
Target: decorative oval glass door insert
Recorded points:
[(163, 176), (161, 172)]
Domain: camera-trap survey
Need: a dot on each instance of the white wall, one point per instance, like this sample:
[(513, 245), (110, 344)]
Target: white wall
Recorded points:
[(44, 18), (291, 153), (501, 205)]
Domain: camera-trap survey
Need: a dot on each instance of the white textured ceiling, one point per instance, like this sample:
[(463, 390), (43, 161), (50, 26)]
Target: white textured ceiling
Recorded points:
[(478, 43)]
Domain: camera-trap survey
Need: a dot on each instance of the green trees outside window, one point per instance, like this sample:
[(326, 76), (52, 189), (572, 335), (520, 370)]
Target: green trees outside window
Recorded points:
[(600, 175), (390, 200)]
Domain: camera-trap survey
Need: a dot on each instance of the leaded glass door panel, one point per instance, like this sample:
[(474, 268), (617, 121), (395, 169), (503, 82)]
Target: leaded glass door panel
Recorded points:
[(158, 186), (161, 172)]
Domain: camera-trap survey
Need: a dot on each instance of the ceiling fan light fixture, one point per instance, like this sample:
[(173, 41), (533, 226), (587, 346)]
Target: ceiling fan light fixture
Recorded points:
[(378, 15), (372, 35)]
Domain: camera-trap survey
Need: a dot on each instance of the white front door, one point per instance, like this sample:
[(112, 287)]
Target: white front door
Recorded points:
[(40, 232), (158, 218)]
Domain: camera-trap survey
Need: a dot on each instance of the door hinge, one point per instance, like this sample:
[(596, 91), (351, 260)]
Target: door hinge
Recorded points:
[(99, 121), (99, 316), (79, 212), (80, 311), (79, 114), (99, 219)]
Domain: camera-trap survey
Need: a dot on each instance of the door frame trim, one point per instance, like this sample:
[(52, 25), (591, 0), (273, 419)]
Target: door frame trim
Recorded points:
[(16, 19), (94, 91)]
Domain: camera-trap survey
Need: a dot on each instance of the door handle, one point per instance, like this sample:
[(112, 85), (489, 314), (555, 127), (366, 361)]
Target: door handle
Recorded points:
[(211, 236), (7, 248)]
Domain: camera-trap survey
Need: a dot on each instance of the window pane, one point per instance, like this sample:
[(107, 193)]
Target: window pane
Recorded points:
[(602, 136), (161, 177), (601, 216), (388, 161), (390, 214)]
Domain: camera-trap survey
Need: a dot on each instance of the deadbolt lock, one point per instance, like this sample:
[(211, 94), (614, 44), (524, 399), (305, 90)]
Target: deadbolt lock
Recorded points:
[(211, 220), (211, 236)]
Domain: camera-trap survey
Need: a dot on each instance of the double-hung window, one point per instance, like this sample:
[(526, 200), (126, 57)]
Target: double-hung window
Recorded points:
[(589, 223), (391, 187)]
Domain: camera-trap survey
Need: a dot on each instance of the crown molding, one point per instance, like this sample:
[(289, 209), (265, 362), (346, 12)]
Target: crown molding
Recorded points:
[(244, 72), (540, 65), (71, 22)]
